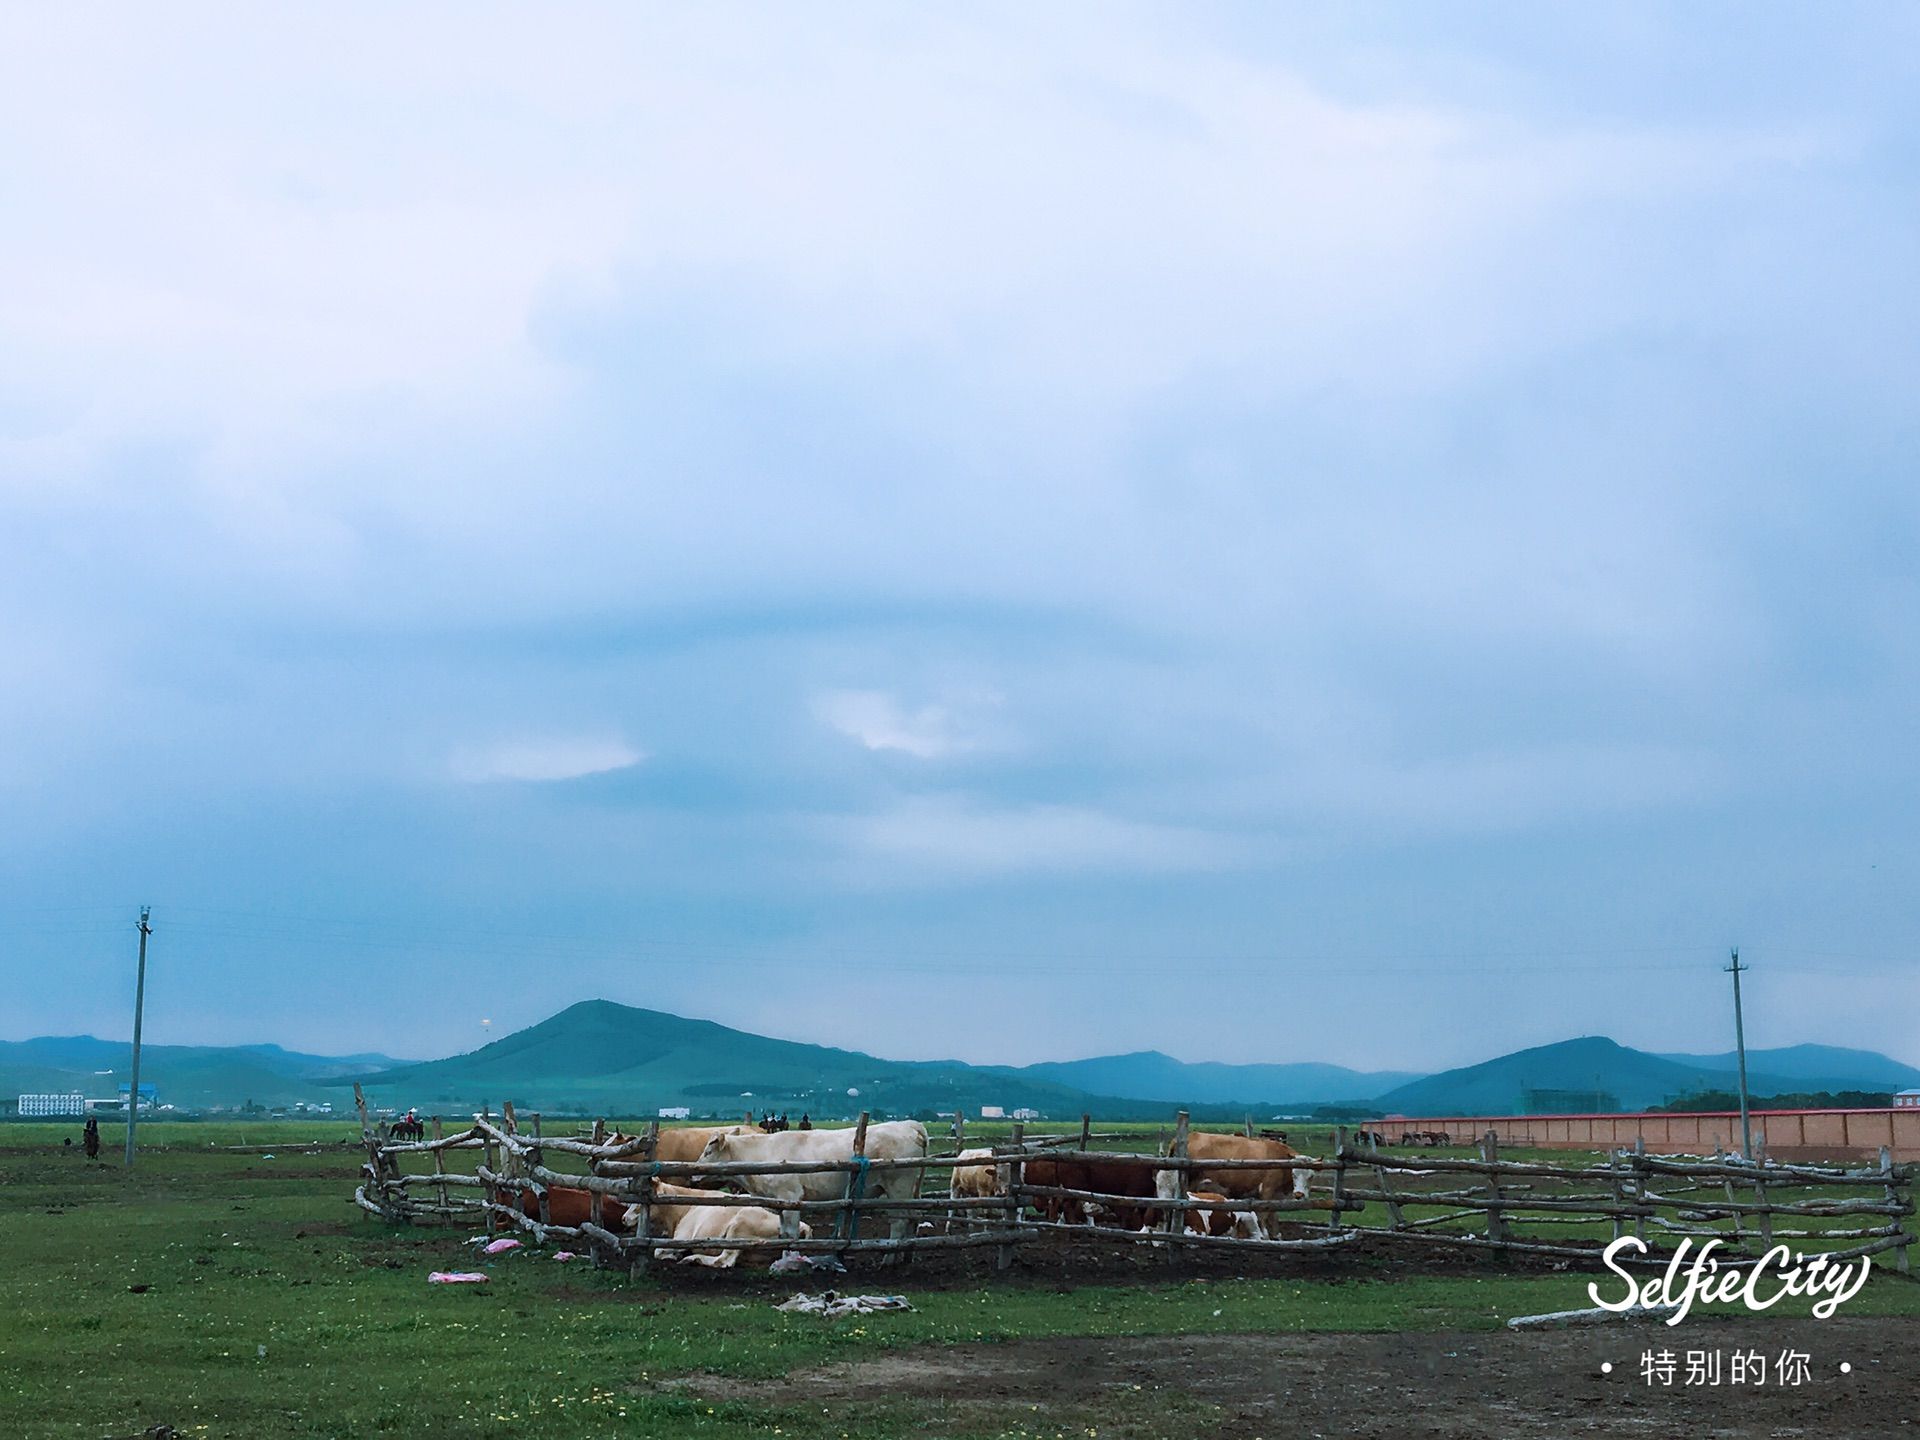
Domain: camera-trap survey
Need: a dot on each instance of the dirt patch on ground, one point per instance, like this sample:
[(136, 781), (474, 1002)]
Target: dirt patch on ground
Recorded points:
[(1438, 1386), (1064, 1262)]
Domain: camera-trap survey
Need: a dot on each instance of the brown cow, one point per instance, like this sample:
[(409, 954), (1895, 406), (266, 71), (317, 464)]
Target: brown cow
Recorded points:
[(684, 1142), (1209, 1222), (1250, 1183), (1124, 1176), (570, 1206)]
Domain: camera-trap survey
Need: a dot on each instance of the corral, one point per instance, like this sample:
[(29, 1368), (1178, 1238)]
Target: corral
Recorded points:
[(1172, 1201)]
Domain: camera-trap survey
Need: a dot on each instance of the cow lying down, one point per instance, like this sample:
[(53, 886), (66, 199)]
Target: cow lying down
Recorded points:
[(1241, 1224), (571, 1206), (709, 1222)]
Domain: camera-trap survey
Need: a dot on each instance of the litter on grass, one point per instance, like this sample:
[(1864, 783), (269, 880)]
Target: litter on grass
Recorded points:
[(795, 1263), (500, 1245), (457, 1277), (833, 1306)]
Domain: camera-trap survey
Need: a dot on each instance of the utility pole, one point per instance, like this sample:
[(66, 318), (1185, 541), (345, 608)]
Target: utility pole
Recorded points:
[(139, 1009), (1740, 1044)]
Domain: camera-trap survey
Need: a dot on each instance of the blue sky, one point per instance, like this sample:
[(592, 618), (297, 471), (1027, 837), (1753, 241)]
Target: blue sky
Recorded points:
[(1109, 527)]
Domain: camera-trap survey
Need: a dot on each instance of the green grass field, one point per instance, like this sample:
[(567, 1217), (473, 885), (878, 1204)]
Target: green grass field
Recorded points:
[(232, 1295)]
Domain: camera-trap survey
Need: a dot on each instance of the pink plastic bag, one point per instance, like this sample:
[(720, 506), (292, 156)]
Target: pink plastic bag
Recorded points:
[(502, 1244), (457, 1277), (563, 1255)]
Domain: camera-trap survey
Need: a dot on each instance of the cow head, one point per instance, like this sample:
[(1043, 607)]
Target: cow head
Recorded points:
[(718, 1147)]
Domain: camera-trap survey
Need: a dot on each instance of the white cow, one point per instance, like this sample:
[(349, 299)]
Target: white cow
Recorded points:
[(979, 1180), (889, 1140), (707, 1222)]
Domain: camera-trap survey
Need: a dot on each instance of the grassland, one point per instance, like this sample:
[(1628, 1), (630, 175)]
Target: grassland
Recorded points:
[(235, 1295)]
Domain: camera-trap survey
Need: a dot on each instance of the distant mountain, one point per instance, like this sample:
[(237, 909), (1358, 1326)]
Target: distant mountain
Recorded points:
[(598, 1057), (1816, 1067), (185, 1075), (615, 1059), (1151, 1075), (1595, 1073)]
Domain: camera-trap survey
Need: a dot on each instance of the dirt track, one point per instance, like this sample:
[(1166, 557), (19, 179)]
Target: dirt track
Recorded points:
[(1442, 1386)]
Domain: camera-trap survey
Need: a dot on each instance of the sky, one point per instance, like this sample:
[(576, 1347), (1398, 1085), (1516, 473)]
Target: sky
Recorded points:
[(1378, 534)]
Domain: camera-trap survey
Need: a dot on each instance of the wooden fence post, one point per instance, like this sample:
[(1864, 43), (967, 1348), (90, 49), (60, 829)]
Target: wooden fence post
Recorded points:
[(538, 1156), (1900, 1261), (1614, 1168), (1640, 1186), (440, 1163), (1394, 1218), (1760, 1191), (1016, 1181), (856, 1182), (489, 1193), (1496, 1220), (1339, 1179), (1086, 1132), (510, 1154), (376, 1160), (643, 1223), (1176, 1221), (596, 1202)]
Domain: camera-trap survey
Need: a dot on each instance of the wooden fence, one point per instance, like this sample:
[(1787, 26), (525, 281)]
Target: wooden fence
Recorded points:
[(1480, 1203)]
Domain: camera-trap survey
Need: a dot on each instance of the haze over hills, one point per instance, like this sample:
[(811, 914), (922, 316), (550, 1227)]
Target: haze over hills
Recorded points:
[(197, 1076), (1151, 1075), (1814, 1067), (1595, 1073), (601, 1057)]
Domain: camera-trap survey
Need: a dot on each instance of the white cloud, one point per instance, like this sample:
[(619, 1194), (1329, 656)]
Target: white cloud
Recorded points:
[(559, 758), (880, 722)]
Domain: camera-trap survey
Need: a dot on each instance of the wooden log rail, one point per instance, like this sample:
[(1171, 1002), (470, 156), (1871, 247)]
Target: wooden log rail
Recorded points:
[(1180, 1202)]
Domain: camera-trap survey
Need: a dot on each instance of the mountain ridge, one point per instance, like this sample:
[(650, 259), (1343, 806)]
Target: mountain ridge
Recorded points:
[(603, 1057)]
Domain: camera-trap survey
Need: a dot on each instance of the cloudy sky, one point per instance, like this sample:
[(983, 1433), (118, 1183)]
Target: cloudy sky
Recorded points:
[(1374, 534)]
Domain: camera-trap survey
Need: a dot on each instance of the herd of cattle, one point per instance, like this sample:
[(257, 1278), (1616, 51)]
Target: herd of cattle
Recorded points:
[(1111, 1190)]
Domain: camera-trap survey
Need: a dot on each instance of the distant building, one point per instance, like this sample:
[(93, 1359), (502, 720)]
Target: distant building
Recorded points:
[(1025, 1114), (1905, 1099), (675, 1112), (993, 1112), (43, 1106)]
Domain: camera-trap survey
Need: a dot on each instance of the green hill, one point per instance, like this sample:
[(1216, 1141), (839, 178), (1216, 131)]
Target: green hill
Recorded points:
[(600, 1057)]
